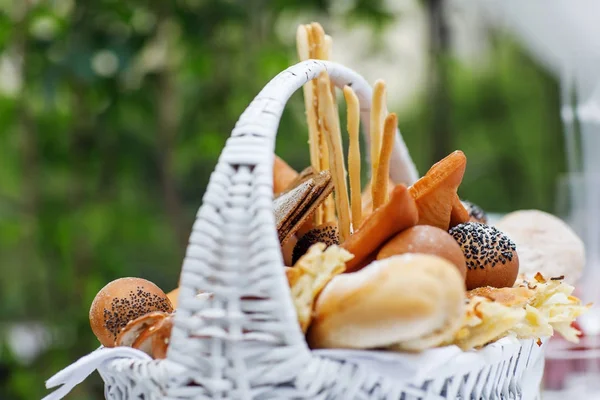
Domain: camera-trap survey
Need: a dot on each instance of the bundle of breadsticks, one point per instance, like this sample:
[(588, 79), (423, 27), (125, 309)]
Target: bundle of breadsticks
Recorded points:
[(409, 266)]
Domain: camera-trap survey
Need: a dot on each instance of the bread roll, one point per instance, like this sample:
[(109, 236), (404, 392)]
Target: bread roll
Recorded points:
[(427, 240), (545, 244), (121, 301), (391, 301)]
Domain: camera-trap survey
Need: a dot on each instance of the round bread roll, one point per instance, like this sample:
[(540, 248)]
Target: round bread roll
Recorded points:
[(426, 239), (121, 301), (391, 301), (545, 244), (491, 256)]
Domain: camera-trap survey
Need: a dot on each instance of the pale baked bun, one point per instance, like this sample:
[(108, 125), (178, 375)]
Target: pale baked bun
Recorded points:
[(399, 299), (426, 239), (122, 301), (545, 244)]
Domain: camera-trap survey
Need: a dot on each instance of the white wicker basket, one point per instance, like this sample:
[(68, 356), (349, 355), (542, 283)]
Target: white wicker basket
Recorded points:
[(245, 342)]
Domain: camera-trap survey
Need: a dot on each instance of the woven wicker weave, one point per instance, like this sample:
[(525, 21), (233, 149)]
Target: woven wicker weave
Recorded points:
[(245, 342)]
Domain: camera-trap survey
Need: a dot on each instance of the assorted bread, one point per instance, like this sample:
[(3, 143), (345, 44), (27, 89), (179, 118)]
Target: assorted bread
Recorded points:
[(397, 266)]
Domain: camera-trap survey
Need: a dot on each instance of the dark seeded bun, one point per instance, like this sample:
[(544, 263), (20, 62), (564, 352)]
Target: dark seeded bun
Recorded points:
[(491, 256), (426, 239), (326, 233), (121, 301)]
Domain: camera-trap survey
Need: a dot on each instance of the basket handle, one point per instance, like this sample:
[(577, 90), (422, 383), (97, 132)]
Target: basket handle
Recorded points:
[(247, 334)]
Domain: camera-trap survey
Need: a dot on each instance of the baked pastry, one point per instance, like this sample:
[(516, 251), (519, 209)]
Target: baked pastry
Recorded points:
[(294, 207), (476, 213), (122, 301), (399, 213), (327, 234), (545, 244), (436, 196), (367, 197), (310, 274), (491, 256), (397, 300), (425, 239), (534, 309)]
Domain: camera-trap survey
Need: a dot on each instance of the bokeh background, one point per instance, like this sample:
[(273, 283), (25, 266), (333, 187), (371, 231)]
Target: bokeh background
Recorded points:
[(113, 114)]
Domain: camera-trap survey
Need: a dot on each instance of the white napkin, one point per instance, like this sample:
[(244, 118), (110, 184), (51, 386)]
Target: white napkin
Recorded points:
[(77, 372)]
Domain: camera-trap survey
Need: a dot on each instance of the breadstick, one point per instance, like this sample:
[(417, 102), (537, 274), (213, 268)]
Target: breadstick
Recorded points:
[(377, 115), (328, 50), (380, 188), (331, 129), (318, 41), (305, 52), (303, 47), (353, 112), (320, 52), (321, 47)]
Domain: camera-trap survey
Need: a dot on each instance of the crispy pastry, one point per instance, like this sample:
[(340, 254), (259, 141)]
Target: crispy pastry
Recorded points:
[(310, 274), (367, 198), (534, 309), (399, 213), (436, 196), (293, 208)]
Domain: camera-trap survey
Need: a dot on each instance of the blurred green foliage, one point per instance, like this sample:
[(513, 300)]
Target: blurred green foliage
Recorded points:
[(116, 121)]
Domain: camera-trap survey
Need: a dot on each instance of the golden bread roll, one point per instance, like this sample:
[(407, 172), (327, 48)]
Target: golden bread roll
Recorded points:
[(426, 239), (545, 244), (397, 300), (122, 301), (491, 256)]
